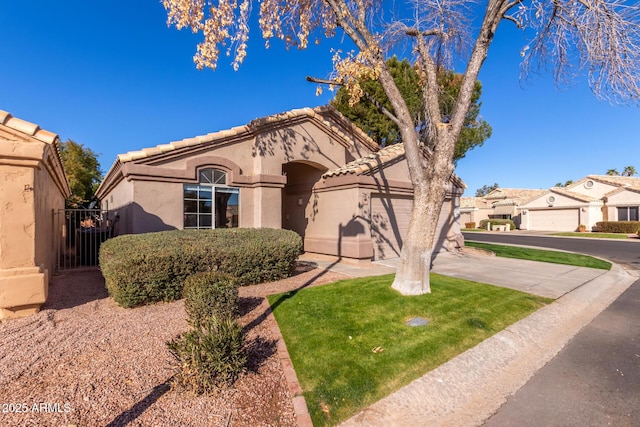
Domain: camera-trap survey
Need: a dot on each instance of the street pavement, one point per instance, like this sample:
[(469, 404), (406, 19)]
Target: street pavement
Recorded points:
[(472, 387)]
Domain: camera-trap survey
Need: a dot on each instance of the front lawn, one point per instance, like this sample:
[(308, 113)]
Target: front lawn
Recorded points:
[(554, 257), (350, 345)]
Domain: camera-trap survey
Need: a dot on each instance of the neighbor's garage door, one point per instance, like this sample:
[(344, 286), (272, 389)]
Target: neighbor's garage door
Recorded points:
[(554, 220), (390, 222)]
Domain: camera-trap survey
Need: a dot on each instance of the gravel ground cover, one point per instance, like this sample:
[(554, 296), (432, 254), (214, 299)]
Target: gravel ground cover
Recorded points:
[(84, 361)]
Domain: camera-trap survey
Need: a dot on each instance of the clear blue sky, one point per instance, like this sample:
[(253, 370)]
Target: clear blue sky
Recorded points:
[(112, 76)]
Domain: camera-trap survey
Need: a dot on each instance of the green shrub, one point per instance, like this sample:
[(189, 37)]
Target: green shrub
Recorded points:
[(210, 294), (210, 356), (496, 221), (469, 225), (628, 227), (145, 268)]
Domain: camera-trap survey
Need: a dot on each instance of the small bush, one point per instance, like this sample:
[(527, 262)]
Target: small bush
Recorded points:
[(210, 294), (146, 268), (628, 227), (469, 225), (496, 221), (210, 356)]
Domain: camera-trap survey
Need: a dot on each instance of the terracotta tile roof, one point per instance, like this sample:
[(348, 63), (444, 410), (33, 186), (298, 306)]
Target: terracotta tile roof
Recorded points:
[(368, 162), (572, 194), (624, 181), (318, 113), (634, 188), (474, 202), (27, 128), (519, 195)]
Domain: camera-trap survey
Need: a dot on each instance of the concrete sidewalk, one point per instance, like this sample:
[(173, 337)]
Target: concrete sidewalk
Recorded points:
[(469, 388)]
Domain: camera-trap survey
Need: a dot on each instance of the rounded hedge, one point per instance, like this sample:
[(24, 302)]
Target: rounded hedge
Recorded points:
[(146, 268), (628, 227)]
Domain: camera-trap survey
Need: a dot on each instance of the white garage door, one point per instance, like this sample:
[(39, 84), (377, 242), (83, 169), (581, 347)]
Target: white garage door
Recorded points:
[(554, 220), (390, 222)]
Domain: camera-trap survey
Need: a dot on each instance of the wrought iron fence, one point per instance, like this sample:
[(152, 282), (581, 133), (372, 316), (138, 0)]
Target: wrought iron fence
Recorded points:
[(78, 234)]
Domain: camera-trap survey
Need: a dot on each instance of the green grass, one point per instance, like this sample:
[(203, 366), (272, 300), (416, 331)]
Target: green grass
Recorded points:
[(594, 235), (554, 257), (331, 332)]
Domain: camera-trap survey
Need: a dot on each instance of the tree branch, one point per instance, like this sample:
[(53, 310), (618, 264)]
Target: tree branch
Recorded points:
[(324, 81), (413, 32), (365, 94), (514, 20)]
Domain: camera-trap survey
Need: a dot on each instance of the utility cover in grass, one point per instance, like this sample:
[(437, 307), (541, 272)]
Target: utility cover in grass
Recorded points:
[(417, 321)]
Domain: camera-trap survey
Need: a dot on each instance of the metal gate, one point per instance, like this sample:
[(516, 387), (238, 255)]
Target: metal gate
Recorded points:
[(77, 235)]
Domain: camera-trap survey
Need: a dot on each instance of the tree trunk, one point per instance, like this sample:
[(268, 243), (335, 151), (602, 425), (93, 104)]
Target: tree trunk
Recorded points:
[(431, 180), (412, 276)]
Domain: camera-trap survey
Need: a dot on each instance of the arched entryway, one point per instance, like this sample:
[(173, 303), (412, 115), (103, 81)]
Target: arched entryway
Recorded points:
[(297, 203)]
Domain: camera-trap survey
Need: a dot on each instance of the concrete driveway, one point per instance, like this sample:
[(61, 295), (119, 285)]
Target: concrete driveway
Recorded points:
[(538, 278)]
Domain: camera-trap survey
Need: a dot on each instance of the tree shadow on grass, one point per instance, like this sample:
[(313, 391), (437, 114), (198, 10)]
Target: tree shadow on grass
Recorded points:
[(269, 308)]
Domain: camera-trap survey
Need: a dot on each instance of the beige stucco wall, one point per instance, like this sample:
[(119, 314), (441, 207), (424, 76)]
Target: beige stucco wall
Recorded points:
[(17, 220), (32, 186), (118, 203), (47, 200), (474, 215), (624, 198), (598, 189), (560, 201), (620, 199), (337, 224)]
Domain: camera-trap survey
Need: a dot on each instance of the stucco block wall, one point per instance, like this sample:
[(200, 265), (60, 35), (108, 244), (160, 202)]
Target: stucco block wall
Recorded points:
[(17, 220), (28, 196), (48, 199)]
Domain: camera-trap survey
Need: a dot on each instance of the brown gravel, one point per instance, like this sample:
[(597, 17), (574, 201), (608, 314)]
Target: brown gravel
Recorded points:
[(85, 361)]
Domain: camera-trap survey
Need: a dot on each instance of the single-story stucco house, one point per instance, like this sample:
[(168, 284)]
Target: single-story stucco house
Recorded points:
[(307, 170), (592, 199), (501, 203), (32, 185)]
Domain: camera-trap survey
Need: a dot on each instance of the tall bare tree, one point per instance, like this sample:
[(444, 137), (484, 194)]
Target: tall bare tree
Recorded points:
[(599, 37)]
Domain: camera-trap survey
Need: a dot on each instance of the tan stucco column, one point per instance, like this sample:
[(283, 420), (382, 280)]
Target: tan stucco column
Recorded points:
[(32, 185), (23, 285), (267, 202)]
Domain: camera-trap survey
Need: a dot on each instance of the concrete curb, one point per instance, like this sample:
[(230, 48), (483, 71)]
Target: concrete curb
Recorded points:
[(471, 387), (303, 419)]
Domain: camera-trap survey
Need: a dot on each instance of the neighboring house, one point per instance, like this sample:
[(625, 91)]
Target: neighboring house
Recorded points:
[(32, 185), (308, 170), (592, 199), (501, 203)]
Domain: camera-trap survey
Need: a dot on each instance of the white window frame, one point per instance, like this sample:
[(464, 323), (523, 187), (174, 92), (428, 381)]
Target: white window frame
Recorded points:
[(213, 181), (629, 210)]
